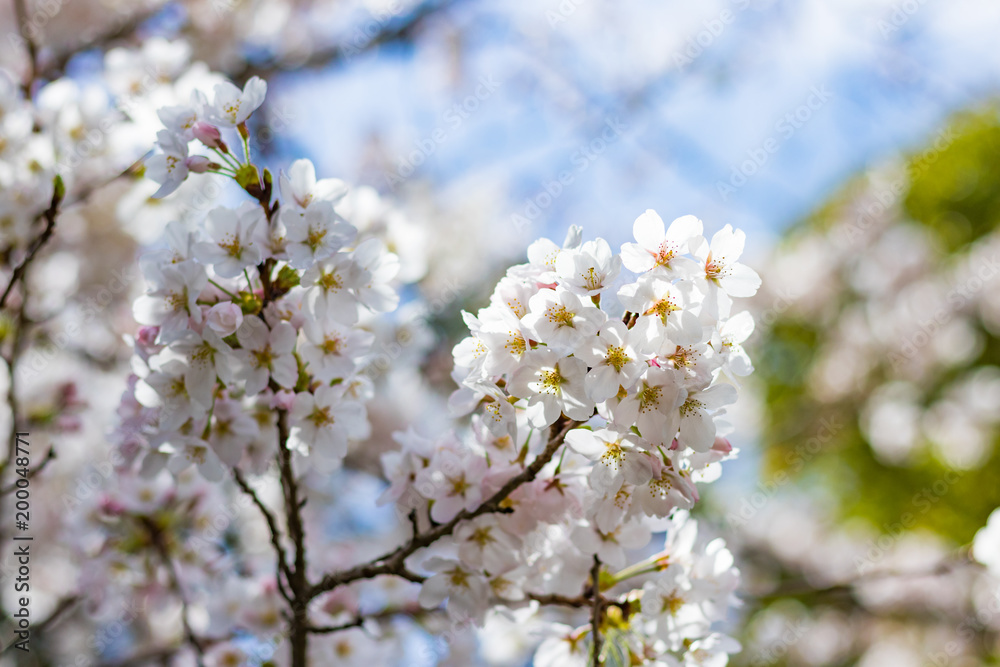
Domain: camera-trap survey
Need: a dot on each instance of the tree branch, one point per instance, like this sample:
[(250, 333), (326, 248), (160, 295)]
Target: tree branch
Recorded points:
[(394, 562), (50, 224), (272, 525), (596, 610), (50, 455)]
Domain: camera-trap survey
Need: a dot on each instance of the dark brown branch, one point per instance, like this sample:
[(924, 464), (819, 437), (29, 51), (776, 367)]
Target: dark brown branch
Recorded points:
[(360, 619), (272, 525), (175, 583), (50, 224), (393, 563), (49, 456), (299, 583), (21, 16), (596, 609), (64, 605)]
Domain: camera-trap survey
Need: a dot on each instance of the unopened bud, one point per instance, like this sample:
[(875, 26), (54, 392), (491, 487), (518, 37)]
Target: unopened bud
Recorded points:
[(208, 135), (199, 164)]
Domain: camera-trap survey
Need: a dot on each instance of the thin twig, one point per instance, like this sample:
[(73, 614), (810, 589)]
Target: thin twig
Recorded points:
[(49, 456), (21, 16), (595, 615), (50, 223), (272, 525), (175, 582)]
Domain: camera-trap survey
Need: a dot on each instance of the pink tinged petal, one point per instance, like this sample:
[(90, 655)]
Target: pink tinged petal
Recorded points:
[(604, 480), (285, 371), (602, 383), (636, 258), (637, 468), (698, 432), (740, 281), (283, 338), (586, 442), (728, 244), (683, 229), (445, 508), (648, 230), (434, 591), (718, 395)]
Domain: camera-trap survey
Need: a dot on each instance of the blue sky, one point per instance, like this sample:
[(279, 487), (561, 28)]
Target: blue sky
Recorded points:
[(700, 90)]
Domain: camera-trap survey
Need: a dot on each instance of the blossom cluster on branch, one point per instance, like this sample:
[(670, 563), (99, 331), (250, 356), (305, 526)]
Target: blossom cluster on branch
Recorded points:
[(598, 402)]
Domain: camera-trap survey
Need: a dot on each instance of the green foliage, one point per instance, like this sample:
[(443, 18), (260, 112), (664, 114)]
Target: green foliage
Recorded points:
[(953, 193)]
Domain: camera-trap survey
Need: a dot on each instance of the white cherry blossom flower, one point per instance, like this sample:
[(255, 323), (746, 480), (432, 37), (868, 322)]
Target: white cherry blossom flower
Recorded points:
[(331, 349), (232, 106), (719, 265), (588, 270), (619, 458), (266, 354), (231, 248), (659, 248), (552, 384), (465, 589), (653, 408), (613, 360), (697, 427), (168, 168), (173, 299), (610, 547), (331, 288), (314, 233), (732, 333), (300, 187), (322, 422), (379, 268), (559, 319)]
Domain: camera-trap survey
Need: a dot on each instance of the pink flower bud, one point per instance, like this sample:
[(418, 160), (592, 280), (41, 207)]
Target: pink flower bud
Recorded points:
[(147, 335), (199, 164), (224, 318), (208, 135), (283, 399), (722, 446)]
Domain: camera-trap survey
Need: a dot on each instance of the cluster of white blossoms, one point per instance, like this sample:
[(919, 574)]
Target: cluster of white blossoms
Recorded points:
[(632, 376), (598, 397), (256, 309)]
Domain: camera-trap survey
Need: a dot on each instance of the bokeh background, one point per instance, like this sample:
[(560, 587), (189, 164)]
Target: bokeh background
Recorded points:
[(857, 142)]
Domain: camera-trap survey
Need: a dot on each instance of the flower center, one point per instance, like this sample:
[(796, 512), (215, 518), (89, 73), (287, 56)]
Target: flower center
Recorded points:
[(560, 316), (616, 358), (551, 381), (315, 238), (320, 417), (691, 406), (232, 246), (649, 398)]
